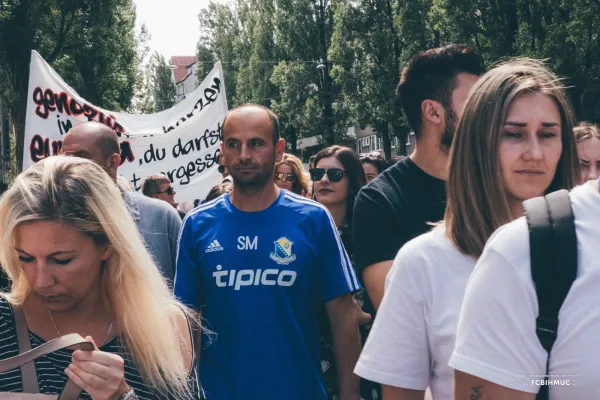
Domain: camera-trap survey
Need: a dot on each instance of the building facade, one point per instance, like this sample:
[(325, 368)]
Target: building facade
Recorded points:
[(363, 141), (367, 141), (184, 73)]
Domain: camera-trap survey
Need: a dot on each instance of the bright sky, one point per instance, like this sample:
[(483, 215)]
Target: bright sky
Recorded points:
[(173, 25)]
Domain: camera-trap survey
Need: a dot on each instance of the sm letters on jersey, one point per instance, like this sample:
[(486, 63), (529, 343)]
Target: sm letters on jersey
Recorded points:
[(250, 277), (244, 243)]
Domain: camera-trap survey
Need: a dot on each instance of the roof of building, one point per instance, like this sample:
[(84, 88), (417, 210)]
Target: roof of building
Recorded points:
[(181, 63)]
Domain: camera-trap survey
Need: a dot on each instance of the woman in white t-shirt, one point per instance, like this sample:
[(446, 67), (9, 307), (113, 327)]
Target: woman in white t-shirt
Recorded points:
[(513, 142), (498, 354)]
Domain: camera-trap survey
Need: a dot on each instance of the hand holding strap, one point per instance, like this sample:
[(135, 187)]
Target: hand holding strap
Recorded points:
[(53, 345)]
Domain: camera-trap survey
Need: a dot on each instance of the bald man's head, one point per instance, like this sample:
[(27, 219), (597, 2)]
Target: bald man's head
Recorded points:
[(251, 108), (96, 142)]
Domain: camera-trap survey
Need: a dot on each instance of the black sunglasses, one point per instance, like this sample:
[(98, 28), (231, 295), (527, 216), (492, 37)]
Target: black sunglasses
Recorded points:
[(334, 174), (281, 176), (169, 191)]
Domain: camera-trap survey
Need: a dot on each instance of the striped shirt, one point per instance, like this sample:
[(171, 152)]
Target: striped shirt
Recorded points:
[(50, 368)]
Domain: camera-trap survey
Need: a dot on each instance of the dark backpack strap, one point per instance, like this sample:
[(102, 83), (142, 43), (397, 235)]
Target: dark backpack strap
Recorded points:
[(553, 247)]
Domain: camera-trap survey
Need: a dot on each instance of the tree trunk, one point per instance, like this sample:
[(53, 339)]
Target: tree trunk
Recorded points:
[(402, 139), (17, 64), (326, 97), (512, 25), (17, 113), (293, 139), (436, 38), (385, 137), (397, 107)]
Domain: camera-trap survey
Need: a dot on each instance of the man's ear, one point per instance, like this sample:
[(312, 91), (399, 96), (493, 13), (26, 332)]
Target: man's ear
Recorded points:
[(221, 156), (432, 111), (113, 162), (279, 149)]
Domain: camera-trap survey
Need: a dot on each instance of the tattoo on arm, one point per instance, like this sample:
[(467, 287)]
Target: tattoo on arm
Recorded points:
[(476, 393)]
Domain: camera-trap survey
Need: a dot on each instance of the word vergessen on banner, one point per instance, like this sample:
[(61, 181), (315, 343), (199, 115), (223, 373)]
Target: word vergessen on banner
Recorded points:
[(181, 142)]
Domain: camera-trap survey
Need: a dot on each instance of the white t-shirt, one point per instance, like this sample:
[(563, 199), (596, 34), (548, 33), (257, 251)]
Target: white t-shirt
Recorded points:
[(496, 337), (413, 335)]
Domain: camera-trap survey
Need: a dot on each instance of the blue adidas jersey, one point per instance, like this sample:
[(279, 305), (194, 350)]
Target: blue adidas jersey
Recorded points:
[(259, 278)]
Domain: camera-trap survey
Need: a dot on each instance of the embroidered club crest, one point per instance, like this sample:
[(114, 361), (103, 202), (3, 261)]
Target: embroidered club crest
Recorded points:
[(283, 252)]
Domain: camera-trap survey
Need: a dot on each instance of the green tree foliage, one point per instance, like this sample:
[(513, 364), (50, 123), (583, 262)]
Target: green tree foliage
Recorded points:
[(143, 100), (220, 39), (298, 103), (162, 83), (562, 31), (92, 44), (365, 43), (307, 98), (366, 56)]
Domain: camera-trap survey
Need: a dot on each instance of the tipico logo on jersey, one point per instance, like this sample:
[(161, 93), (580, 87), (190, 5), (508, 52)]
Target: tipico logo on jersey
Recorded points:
[(283, 251), (214, 246)]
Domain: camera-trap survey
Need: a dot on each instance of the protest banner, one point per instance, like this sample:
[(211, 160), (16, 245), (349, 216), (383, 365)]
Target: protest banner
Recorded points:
[(181, 142)]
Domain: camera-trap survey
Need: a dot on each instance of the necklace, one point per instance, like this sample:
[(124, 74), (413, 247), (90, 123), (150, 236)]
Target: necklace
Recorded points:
[(60, 334)]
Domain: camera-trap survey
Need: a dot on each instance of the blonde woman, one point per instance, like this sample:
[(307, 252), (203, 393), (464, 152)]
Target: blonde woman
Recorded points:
[(588, 147), (78, 265), (290, 175), (513, 142)]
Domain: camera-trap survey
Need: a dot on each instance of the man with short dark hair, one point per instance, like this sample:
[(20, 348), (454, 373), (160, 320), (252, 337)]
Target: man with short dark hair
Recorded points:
[(260, 263), (157, 222), (398, 205)]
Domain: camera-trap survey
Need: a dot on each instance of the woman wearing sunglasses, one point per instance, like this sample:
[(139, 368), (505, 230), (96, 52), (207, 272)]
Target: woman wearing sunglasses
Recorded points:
[(337, 177), (290, 175)]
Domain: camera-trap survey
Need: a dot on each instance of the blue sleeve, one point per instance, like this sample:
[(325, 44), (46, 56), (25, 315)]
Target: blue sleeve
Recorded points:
[(188, 280), (337, 273)]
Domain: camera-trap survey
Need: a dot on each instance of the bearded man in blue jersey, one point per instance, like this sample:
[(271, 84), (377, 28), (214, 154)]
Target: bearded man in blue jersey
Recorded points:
[(259, 263)]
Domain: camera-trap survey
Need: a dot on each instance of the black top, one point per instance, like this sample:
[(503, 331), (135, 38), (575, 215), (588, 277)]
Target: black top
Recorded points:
[(50, 368), (393, 209), (4, 282)]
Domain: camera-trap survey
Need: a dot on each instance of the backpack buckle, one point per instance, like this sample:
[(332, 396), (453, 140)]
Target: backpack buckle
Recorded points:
[(546, 330)]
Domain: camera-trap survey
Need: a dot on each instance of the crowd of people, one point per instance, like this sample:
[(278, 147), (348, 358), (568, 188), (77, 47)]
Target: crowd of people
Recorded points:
[(358, 278)]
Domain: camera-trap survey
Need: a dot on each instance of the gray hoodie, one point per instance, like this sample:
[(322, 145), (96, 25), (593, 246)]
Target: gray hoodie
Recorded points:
[(159, 224)]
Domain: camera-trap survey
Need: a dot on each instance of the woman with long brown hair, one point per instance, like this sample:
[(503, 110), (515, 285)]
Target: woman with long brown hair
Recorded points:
[(337, 177), (514, 142)]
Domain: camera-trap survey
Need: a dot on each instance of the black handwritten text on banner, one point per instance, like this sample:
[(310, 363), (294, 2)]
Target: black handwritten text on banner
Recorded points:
[(182, 142)]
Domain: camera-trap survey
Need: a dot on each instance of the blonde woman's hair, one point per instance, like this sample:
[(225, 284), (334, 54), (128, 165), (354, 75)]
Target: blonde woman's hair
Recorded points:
[(477, 202), (77, 193), (302, 184), (585, 131)]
